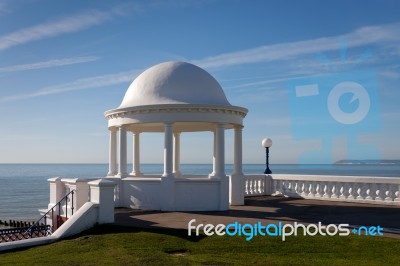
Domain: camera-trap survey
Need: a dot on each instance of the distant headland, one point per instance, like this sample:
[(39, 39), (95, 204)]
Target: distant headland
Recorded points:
[(389, 162)]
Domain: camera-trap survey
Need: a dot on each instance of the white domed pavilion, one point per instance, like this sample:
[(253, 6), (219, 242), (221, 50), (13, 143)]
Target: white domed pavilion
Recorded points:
[(175, 98)]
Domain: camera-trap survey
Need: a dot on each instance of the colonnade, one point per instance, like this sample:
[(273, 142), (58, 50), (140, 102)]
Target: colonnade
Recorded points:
[(118, 146)]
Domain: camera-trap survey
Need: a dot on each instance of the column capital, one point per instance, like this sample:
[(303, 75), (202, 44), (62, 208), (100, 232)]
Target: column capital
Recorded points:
[(112, 129), (238, 127)]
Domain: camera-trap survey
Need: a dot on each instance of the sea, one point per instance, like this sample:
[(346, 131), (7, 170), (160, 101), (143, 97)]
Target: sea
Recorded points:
[(24, 187)]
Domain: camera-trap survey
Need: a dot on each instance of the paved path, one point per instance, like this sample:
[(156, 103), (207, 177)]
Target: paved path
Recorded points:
[(269, 209)]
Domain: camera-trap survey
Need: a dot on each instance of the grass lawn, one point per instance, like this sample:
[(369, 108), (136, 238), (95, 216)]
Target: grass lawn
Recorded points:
[(116, 245)]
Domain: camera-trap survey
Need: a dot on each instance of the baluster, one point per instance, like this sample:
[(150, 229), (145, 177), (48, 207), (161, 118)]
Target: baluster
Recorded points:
[(361, 192), (258, 188), (327, 189), (288, 187), (312, 188), (343, 190), (354, 190), (378, 192), (292, 187), (349, 190), (262, 188), (302, 188), (273, 192), (306, 188), (318, 190), (397, 192), (369, 192), (388, 193), (382, 193), (280, 187), (337, 189), (334, 189)]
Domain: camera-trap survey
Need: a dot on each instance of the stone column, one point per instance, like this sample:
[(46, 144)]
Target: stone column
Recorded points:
[(168, 150), (122, 167), (168, 178), (238, 151), (177, 147), (236, 181), (220, 152), (214, 153), (136, 154), (112, 157)]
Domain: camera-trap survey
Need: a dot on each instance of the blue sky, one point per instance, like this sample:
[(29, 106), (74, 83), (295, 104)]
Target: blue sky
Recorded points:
[(63, 63)]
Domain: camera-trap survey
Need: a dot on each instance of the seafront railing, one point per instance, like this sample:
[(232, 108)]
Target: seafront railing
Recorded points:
[(377, 190)]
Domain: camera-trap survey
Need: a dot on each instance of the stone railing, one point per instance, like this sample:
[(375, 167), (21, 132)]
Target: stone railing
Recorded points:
[(378, 190)]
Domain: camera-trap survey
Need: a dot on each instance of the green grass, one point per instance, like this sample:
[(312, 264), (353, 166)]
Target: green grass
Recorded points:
[(116, 245)]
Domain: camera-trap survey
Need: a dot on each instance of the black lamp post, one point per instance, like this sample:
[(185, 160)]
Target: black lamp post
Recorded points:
[(267, 143)]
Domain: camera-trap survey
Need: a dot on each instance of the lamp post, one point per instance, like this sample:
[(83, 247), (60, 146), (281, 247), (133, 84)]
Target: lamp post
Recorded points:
[(267, 143)]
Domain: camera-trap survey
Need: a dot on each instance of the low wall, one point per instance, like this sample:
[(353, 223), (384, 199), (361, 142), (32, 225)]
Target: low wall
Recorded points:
[(192, 193), (197, 195), (376, 190), (141, 193)]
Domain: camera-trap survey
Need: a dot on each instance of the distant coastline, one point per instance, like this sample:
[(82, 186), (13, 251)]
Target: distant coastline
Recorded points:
[(370, 162)]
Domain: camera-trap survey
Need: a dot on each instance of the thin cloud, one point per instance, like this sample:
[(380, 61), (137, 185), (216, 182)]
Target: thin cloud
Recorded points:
[(80, 84), (283, 51), (54, 28), (4, 8), (49, 64)]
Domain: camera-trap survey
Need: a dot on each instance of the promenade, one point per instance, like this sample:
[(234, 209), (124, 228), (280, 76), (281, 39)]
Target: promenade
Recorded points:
[(268, 209)]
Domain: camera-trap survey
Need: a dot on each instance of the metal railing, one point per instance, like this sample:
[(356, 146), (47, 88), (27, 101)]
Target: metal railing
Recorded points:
[(56, 221), (14, 234)]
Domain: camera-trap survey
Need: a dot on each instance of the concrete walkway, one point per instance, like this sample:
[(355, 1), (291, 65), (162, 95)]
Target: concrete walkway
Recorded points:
[(268, 209)]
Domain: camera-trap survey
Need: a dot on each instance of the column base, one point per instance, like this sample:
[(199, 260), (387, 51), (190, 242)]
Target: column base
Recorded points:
[(168, 176), (111, 174), (136, 173), (177, 174)]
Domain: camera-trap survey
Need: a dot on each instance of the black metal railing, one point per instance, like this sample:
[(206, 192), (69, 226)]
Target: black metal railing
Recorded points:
[(13, 234), (56, 220), (41, 227)]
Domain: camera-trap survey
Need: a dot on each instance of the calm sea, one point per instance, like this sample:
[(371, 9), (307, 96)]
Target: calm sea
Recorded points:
[(24, 188)]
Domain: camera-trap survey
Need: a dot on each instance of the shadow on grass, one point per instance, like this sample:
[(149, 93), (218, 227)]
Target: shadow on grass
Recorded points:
[(119, 229)]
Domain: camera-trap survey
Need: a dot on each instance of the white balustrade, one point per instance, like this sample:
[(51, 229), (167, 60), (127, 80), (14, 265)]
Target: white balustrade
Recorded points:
[(378, 190)]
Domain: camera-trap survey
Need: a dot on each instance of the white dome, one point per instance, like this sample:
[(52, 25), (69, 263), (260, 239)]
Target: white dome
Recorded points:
[(174, 83)]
